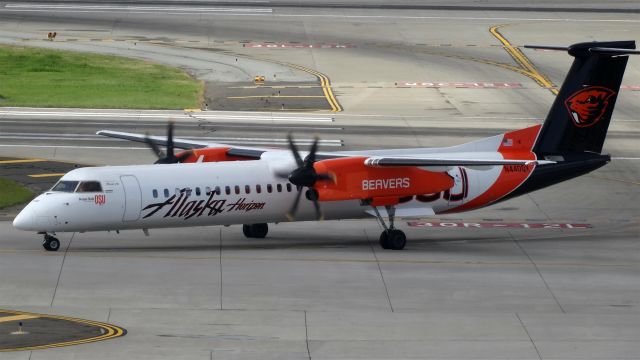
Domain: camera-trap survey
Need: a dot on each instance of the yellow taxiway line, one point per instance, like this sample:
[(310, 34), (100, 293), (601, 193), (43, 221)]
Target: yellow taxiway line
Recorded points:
[(20, 161), (18, 317), (528, 68), (109, 331), (46, 175), (274, 96)]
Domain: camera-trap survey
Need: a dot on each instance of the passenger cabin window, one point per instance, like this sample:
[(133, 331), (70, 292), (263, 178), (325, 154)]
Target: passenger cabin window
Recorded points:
[(227, 190), (237, 189), (197, 191), (217, 190), (207, 190), (65, 186), (166, 193), (89, 186), (258, 189), (155, 193), (269, 188), (247, 189), (279, 187), (288, 187)]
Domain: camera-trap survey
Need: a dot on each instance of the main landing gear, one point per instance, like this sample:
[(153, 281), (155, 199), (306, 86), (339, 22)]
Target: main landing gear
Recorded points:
[(258, 231), (390, 238), (50, 243)]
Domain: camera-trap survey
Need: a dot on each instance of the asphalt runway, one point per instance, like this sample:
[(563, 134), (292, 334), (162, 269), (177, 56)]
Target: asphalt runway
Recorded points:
[(490, 284)]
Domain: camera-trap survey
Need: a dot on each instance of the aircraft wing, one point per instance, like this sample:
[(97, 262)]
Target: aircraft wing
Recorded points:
[(184, 143), (437, 163)]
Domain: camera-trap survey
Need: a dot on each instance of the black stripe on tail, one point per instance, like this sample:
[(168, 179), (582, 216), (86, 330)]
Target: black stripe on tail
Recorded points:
[(580, 115)]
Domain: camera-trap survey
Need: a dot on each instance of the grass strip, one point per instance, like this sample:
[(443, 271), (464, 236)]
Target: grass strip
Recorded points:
[(54, 78), (12, 193)]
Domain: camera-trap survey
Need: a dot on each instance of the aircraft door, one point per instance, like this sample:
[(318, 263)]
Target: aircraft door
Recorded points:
[(132, 198)]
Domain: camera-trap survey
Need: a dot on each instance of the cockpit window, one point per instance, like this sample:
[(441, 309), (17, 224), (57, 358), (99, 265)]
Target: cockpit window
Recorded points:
[(89, 186), (65, 186)]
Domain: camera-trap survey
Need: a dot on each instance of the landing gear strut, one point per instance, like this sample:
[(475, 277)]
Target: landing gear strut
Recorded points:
[(255, 230), (390, 238), (50, 243)]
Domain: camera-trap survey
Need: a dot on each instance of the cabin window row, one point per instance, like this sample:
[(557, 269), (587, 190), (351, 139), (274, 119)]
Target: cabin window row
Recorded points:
[(228, 190)]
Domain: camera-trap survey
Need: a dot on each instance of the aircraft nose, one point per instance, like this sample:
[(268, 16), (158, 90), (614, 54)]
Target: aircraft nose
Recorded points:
[(25, 219)]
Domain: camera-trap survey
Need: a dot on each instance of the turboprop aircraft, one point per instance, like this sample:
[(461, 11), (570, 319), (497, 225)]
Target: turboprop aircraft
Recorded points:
[(217, 184)]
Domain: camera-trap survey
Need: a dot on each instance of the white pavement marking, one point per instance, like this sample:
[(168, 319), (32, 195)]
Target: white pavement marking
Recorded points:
[(158, 114), (85, 8), (261, 12), (224, 140)]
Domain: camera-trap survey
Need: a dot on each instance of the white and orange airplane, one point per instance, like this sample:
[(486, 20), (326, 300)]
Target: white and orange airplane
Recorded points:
[(217, 184)]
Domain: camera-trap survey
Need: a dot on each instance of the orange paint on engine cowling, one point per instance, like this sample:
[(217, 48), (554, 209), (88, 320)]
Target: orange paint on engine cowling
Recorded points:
[(212, 155), (355, 180)]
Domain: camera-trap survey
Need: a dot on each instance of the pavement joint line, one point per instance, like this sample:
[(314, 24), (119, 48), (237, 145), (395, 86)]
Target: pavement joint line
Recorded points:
[(529, 336), (526, 66), (384, 282), (515, 240), (111, 331), (614, 179)]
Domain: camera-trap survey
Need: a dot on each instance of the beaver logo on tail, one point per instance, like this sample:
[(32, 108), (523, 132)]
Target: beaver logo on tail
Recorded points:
[(588, 105)]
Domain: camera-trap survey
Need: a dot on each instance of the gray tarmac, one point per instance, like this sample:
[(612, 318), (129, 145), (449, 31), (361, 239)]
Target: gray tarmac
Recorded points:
[(326, 290)]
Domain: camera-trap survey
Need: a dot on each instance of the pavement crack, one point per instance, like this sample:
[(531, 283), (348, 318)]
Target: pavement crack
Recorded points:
[(64, 257), (529, 335), (384, 282), (538, 271), (306, 334), (220, 265)]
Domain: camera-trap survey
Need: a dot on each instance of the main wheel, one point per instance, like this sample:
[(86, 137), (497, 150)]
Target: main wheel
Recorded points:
[(397, 240), (255, 230), (247, 230), (50, 243), (259, 230), (384, 239)]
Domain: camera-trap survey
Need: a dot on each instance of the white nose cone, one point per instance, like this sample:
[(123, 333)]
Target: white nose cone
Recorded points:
[(25, 220)]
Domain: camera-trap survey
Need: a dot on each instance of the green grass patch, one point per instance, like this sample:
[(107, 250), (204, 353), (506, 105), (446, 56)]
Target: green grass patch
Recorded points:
[(12, 193), (53, 78)]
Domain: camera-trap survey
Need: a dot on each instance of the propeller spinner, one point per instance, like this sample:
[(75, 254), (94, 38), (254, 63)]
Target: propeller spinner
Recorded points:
[(305, 176)]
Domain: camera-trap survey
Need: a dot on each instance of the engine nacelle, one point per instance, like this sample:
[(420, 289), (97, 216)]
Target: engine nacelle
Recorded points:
[(354, 180), (211, 155)]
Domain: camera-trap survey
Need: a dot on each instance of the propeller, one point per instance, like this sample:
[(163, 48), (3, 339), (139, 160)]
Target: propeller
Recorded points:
[(305, 175), (169, 157)]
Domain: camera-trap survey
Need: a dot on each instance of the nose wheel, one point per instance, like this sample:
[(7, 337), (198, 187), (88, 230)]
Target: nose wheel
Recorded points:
[(50, 243), (391, 238)]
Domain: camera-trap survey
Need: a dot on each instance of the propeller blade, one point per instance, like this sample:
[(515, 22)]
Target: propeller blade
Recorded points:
[(294, 150), (294, 208), (313, 195), (154, 147), (170, 150), (311, 158)]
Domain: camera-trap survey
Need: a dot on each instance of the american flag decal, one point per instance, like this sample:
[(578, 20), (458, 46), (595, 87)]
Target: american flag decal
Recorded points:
[(507, 142)]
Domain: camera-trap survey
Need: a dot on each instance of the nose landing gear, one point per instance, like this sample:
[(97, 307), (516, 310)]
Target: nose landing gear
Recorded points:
[(50, 243)]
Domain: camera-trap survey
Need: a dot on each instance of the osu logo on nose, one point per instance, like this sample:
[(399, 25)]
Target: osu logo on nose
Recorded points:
[(587, 106), (100, 199)]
